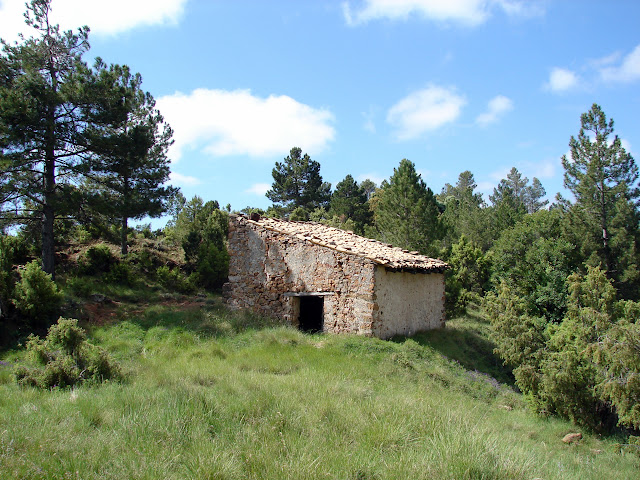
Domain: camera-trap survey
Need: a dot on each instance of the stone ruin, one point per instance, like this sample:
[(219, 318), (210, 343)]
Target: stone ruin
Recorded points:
[(321, 278)]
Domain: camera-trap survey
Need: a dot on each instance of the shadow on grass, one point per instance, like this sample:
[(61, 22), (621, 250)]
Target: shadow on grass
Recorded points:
[(466, 340), (204, 317)]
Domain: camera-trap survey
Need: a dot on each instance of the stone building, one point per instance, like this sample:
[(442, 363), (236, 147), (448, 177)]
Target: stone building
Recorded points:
[(322, 278)]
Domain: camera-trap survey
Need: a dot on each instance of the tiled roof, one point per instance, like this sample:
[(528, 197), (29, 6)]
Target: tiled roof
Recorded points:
[(391, 257)]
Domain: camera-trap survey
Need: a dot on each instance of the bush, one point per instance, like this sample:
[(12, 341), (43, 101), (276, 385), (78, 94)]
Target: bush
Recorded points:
[(120, 273), (468, 278), (174, 279), (205, 251), (80, 286), (585, 368), (65, 358), (6, 272), (212, 269), (36, 295), (96, 260), (144, 260)]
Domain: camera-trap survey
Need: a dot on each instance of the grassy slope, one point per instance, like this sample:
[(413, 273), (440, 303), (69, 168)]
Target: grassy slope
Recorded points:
[(217, 395)]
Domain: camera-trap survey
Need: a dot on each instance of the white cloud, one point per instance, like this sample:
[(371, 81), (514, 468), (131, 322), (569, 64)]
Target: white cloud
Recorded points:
[(221, 122), (425, 110), (259, 189), (374, 177), (546, 168), (425, 174), (485, 187), (465, 12), (102, 16), (626, 144), (11, 19), (628, 71), (184, 180), (605, 61), (497, 107), (499, 174), (561, 80)]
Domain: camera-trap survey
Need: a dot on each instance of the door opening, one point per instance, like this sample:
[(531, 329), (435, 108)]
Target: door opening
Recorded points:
[(311, 317)]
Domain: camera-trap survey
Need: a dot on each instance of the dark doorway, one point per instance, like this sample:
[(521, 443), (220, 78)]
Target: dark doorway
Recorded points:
[(311, 309)]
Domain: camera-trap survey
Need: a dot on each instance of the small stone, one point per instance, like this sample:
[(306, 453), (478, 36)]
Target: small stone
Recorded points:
[(572, 438), (99, 298)]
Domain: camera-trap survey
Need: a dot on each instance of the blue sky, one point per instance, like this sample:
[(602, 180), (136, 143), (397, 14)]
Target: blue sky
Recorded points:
[(361, 84)]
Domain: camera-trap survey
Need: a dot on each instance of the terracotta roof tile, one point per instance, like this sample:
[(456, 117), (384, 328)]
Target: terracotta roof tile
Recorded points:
[(347, 242)]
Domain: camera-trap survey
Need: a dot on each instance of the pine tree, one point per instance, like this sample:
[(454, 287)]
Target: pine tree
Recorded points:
[(464, 212), (43, 110), (603, 178), (132, 166), (53, 110), (349, 201), (297, 183), (406, 212), (519, 191)]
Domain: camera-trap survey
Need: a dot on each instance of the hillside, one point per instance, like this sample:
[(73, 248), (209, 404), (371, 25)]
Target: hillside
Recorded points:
[(214, 394)]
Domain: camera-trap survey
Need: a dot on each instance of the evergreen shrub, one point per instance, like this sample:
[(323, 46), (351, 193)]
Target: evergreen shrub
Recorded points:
[(96, 260), (174, 279), (65, 358), (7, 279), (37, 297), (120, 273)]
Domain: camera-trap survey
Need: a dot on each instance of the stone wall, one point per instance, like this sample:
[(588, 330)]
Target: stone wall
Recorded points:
[(266, 265), (407, 302)]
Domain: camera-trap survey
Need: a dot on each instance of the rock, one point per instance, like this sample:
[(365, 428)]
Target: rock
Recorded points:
[(572, 438), (99, 298)]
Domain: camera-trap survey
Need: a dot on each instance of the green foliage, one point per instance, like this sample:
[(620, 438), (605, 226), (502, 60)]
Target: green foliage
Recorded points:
[(98, 259), (320, 215), (349, 201), (65, 358), (406, 212), (297, 183), (212, 268), (520, 338), (534, 258), (8, 247), (130, 177), (174, 279), (465, 213), (120, 273), (617, 356), (468, 277), (204, 244), (79, 286), (517, 192), (188, 216), (299, 214), (75, 140), (604, 218), (586, 367), (36, 295)]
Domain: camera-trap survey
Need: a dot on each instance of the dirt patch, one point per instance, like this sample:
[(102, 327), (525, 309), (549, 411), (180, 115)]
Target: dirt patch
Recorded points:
[(110, 311)]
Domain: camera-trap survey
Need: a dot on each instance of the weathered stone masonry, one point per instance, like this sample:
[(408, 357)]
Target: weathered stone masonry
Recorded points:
[(367, 287)]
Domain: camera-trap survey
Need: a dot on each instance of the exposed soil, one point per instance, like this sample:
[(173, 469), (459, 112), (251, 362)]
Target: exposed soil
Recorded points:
[(110, 311)]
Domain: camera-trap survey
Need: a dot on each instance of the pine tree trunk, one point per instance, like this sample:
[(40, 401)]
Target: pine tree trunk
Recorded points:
[(49, 189), (49, 175), (123, 237)]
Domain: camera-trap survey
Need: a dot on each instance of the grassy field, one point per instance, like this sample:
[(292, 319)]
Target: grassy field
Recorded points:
[(215, 395)]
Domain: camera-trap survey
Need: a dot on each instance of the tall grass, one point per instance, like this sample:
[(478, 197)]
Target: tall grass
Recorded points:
[(215, 395)]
